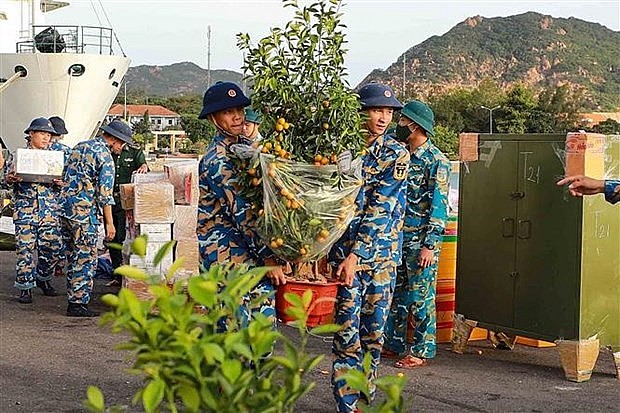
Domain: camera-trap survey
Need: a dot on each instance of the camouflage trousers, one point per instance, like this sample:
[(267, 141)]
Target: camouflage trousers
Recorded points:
[(81, 251), (261, 300), (38, 252), (414, 294), (361, 310)]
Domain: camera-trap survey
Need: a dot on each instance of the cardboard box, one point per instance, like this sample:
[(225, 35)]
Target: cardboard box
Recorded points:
[(154, 203), (147, 263), (127, 196), (188, 250), (186, 219), (148, 177), (184, 176), (156, 232), (39, 165)]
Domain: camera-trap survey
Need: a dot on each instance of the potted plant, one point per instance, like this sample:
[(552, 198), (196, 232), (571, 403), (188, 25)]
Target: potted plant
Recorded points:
[(307, 175)]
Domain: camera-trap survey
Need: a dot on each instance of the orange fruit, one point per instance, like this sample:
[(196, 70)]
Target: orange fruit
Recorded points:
[(280, 242), (284, 192), (294, 204), (281, 121), (261, 212), (289, 204), (271, 173), (255, 181), (303, 251), (325, 103), (286, 125), (333, 158), (326, 126), (268, 146), (318, 157), (273, 244), (279, 127), (252, 171), (324, 161), (320, 239), (324, 233)]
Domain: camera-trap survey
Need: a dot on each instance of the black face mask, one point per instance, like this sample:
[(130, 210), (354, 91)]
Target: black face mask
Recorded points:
[(402, 132)]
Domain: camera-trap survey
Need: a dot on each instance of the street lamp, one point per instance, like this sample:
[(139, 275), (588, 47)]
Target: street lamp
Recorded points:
[(490, 116)]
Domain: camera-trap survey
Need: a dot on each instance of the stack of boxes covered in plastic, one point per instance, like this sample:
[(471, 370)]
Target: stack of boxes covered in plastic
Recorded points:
[(164, 206)]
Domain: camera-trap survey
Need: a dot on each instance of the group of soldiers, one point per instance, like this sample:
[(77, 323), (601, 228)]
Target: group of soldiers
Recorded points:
[(387, 258), (57, 222)]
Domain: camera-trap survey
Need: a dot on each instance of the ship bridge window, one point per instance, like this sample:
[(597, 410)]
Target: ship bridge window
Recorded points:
[(76, 70)]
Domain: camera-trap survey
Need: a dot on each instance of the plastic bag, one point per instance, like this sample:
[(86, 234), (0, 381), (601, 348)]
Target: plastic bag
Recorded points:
[(307, 208)]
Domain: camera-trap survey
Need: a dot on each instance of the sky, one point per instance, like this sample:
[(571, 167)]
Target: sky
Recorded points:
[(162, 32)]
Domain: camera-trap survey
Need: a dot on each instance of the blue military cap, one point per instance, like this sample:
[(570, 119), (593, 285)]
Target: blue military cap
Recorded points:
[(377, 95), (119, 129), (252, 116), (41, 125), (59, 125), (221, 96)]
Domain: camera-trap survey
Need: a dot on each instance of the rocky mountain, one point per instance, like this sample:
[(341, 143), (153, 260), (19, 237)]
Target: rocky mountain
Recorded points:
[(176, 79), (532, 48)]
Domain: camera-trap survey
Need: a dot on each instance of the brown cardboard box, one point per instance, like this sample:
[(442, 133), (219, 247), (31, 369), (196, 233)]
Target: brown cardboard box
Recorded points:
[(185, 223), (184, 176), (156, 232), (127, 196), (188, 250), (148, 177), (39, 165), (154, 203)]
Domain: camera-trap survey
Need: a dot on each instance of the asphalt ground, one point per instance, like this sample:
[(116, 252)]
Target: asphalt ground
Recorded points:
[(47, 361)]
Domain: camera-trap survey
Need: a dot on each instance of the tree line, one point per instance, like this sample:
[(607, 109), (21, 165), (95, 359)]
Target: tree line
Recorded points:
[(517, 110)]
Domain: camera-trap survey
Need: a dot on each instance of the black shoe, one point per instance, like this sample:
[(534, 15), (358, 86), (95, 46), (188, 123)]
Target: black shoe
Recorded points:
[(80, 310), (25, 297), (47, 288)]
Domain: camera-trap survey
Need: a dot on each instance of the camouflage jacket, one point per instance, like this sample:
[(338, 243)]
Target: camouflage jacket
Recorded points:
[(59, 146), (427, 197), (612, 191), (89, 179), (225, 230), (375, 234), (34, 203)]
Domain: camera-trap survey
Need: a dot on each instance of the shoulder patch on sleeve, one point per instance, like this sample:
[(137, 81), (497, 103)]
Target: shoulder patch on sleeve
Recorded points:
[(400, 170), (442, 174)]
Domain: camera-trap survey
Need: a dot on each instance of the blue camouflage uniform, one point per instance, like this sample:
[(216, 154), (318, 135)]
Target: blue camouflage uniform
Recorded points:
[(375, 236), (37, 230), (89, 179), (59, 146), (612, 191), (426, 214), (225, 224)]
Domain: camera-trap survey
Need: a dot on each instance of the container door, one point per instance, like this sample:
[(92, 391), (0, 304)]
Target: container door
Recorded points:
[(548, 251), (486, 234)]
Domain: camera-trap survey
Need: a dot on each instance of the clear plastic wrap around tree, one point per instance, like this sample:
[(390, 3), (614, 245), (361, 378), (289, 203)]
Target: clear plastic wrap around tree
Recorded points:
[(304, 191), (304, 212)]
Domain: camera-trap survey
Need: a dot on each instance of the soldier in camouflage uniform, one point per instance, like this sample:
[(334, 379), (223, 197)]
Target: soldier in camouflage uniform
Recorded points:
[(369, 251), (37, 232), (56, 145), (579, 185), (59, 126), (89, 179), (225, 220), (426, 214), (127, 160)]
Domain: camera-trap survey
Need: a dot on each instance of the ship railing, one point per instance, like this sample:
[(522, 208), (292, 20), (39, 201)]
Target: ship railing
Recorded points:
[(68, 39)]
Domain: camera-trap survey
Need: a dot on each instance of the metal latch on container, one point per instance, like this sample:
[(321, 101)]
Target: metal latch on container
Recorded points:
[(515, 196)]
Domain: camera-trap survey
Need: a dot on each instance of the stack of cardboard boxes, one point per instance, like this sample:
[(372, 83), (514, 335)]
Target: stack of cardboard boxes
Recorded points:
[(164, 206)]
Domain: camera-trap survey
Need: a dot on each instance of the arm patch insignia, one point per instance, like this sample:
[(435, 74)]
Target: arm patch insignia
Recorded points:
[(400, 170)]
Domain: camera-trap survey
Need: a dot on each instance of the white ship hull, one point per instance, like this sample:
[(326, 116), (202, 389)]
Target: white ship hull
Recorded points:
[(49, 90)]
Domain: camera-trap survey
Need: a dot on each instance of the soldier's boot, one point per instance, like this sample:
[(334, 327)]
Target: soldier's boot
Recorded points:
[(80, 310), (47, 288), (25, 297)]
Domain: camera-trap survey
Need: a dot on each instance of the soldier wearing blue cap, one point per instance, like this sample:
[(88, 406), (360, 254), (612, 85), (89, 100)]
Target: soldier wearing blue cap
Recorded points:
[(89, 181), (368, 253), (128, 160), (426, 214), (226, 231), (60, 130), (37, 231)]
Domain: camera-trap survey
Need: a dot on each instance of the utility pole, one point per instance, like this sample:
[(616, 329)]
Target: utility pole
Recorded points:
[(125, 99), (208, 55), (404, 74), (490, 116)]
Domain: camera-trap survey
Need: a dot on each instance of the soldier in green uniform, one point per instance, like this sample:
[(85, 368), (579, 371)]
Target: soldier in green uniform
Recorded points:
[(127, 160)]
